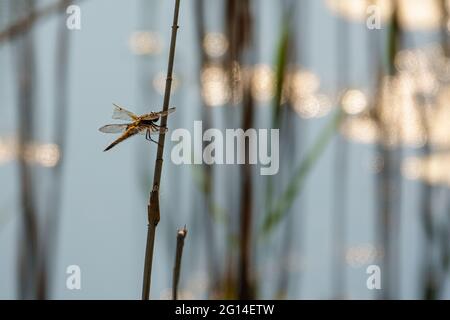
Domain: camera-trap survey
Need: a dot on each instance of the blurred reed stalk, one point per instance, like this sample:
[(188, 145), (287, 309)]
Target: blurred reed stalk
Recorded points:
[(437, 234), (444, 30), (50, 232), (396, 44), (28, 239), (181, 236), (340, 166), (445, 229), (281, 70), (375, 59), (239, 29), (287, 52), (429, 281), (153, 210), (246, 289), (389, 178), (208, 173), (26, 23), (283, 54)]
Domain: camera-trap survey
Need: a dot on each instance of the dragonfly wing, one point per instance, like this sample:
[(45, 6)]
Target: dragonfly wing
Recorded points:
[(157, 115), (123, 114), (166, 113), (114, 128)]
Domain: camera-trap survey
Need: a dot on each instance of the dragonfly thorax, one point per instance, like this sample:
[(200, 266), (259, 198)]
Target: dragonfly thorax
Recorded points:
[(148, 122)]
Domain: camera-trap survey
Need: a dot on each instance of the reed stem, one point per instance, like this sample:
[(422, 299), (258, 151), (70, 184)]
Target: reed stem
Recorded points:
[(153, 205), (24, 51), (181, 235), (53, 211)]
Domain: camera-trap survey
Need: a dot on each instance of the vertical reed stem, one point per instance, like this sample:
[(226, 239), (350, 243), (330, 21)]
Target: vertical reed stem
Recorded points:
[(51, 224), (181, 235), (28, 241), (153, 205), (340, 166)]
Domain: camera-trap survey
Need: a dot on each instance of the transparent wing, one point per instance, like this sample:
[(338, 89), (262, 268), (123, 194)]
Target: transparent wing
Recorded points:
[(166, 113), (120, 113), (157, 115), (114, 128)]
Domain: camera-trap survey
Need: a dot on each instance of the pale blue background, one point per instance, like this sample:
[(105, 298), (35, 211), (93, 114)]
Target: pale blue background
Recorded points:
[(104, 205)]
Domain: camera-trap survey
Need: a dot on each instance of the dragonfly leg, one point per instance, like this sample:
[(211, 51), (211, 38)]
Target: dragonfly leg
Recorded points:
[(159, 126), (149, 137)]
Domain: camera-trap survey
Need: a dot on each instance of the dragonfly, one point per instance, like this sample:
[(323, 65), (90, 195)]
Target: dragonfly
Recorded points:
[(144, 124)]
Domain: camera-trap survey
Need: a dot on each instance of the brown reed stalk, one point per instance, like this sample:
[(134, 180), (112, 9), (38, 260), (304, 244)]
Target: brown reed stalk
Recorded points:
[(153, 211), (181, 235), (246, 281), (239, 29)]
